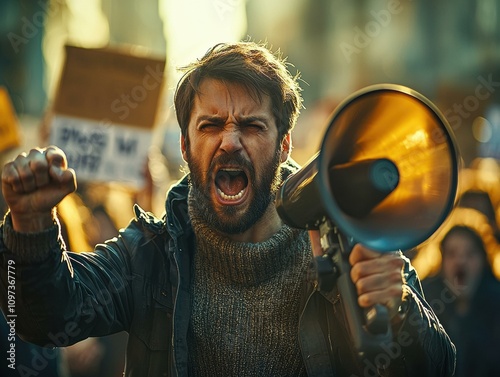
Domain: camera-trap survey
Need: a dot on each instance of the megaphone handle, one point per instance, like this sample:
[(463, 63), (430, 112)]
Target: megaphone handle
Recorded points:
[(369, 328)]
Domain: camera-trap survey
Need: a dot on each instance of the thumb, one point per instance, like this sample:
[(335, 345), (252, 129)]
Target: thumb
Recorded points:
[(59, 170)]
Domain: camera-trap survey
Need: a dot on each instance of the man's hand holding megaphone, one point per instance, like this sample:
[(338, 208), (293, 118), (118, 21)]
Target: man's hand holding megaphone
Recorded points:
[(377, 276)]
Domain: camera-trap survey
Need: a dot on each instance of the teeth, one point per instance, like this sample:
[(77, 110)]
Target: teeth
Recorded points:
[(231, 197)]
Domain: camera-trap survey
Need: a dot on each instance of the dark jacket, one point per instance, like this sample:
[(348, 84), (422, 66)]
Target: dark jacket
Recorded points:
[(475, 333), (139, 282)]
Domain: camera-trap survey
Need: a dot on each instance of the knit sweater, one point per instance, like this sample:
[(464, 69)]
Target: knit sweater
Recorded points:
[(246, 300)]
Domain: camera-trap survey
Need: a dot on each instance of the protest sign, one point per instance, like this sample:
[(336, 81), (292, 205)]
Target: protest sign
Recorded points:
[(9, 127), (97, 153), (105, 111)]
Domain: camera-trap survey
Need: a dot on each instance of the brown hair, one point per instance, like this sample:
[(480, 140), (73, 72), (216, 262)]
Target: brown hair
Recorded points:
[(251, 65), (469, 232), (477, 240)]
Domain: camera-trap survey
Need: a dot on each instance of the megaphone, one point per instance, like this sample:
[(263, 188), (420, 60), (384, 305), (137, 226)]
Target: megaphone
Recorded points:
[(385, 176), (386, 173)]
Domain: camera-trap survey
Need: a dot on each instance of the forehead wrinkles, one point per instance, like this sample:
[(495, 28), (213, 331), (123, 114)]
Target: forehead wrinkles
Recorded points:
[(228, 99)]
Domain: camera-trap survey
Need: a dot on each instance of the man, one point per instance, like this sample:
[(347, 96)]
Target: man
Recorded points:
[(220, 285)]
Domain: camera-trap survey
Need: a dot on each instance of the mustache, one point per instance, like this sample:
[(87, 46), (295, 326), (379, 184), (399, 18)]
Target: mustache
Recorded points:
[(234, 160)]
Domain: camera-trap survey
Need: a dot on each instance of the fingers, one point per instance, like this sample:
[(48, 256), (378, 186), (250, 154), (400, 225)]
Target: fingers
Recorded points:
[(379, 289), (361, 253), (28, 172), (38, 169), (366, 262), (33, 184), (377, 277), (56, 159)]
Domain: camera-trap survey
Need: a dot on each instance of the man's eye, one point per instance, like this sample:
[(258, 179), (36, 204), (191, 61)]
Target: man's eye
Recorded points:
[(254, 126), (207, 126)]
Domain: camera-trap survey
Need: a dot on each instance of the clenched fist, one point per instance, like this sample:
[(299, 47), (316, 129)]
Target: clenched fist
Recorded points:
[(33, 184)]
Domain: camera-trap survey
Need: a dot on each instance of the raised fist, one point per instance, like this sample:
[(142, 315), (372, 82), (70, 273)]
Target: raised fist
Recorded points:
[(33, 184)]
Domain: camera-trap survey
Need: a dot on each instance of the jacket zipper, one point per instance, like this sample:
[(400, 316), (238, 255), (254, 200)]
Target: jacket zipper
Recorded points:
[(174, 327)]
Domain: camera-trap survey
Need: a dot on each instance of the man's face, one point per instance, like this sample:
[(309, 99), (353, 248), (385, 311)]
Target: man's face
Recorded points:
[(233, 154), (462, 263)]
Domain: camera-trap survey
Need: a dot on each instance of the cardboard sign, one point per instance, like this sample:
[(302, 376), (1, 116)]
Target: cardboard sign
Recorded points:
[(104, 112), (9, 127), (102, 152)]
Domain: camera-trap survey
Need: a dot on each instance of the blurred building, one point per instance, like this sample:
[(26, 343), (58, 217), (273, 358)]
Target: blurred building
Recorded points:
[(447, 50)]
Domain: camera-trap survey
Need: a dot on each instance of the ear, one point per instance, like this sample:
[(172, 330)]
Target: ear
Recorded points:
[(286, 147), (183, 147)]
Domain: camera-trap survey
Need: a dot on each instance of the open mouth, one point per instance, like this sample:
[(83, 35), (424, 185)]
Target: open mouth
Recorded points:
[(461, 278), (231, 184)]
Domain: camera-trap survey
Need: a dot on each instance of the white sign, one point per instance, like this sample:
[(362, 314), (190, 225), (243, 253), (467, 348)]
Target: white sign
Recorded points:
[(103, 152)]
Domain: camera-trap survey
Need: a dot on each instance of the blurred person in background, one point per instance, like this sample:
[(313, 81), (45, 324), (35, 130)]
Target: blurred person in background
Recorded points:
[(481, 201), (465, 294), (480, 190), (219, 286)]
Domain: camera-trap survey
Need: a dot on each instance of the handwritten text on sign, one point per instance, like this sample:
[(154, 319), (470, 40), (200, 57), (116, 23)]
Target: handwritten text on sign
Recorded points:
[(100, 152)]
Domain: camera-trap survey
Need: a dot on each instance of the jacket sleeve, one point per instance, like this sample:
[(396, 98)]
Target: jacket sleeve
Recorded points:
[(421, 346), (56, 297)]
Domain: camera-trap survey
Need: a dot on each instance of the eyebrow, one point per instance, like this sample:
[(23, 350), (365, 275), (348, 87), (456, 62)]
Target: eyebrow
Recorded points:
[(211, 118), (253, 118), (243, 120)]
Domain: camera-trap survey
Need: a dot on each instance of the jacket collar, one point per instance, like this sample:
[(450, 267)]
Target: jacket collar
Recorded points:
[(177, 217)]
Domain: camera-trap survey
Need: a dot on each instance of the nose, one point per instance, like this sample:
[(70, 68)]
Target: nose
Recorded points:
[(231, 140)]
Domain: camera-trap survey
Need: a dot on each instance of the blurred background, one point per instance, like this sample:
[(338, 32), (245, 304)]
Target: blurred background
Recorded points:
[(448, 50)]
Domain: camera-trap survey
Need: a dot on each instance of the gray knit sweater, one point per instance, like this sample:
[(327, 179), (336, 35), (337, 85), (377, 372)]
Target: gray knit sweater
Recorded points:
[(246, 302)]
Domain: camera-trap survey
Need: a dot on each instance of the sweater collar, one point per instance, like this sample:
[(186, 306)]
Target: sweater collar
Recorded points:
[(247, 263)]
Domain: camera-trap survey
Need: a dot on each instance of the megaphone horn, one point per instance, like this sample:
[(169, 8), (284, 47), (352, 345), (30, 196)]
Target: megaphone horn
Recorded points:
[(386, 173)]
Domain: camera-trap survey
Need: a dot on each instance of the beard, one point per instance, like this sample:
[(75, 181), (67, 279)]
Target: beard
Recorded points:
[(227, 219)]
